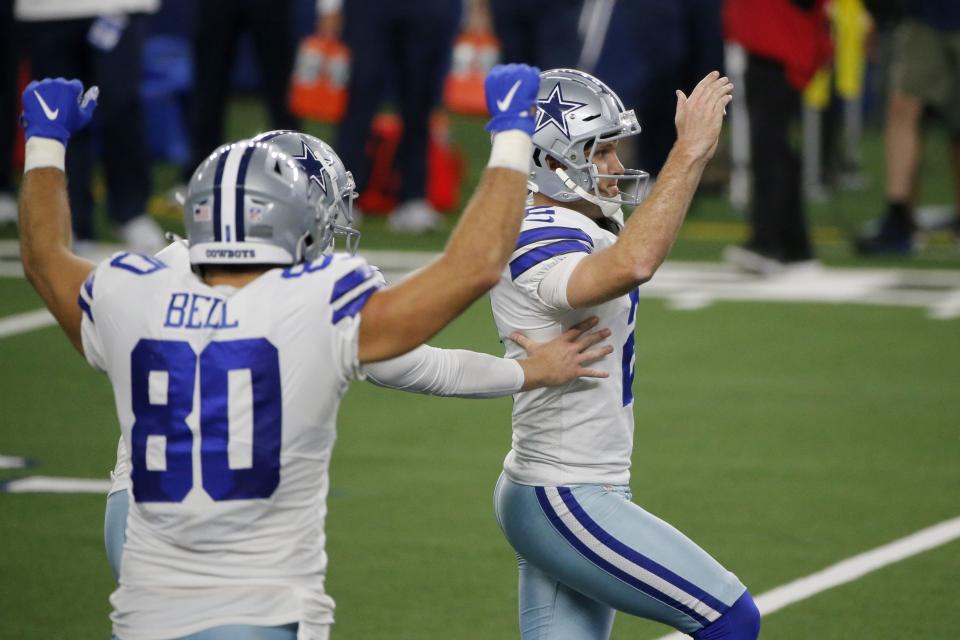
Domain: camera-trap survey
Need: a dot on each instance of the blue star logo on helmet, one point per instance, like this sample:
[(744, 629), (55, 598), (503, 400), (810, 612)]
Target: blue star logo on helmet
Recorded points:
[(554, 111), (312, 165)]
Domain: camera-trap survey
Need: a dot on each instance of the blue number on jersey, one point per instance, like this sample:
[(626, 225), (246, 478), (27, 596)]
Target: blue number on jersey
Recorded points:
[(302, 268), (263, 362), (136, 263), (628, 349), (167, 417)]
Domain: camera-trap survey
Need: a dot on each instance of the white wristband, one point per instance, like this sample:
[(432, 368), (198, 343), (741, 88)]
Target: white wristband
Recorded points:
[(43, 152), (512, 149)]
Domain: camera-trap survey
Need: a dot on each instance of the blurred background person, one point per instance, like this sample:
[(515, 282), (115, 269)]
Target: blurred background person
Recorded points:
[(542, 33), (786, 41), (219, 26), (8, 109), (409, 43), (924, 74), (100, 42), (651, 49)]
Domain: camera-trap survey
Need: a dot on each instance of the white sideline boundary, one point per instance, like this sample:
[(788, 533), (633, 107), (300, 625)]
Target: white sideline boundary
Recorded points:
[(852, 568), (27, 321), (51, 484)]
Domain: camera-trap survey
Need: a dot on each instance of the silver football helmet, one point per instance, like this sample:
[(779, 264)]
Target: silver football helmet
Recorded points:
[(251, 203), (325, 169), (576, 112)]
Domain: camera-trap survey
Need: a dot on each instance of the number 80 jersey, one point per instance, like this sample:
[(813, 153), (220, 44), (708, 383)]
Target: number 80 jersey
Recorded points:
[(227, 401)]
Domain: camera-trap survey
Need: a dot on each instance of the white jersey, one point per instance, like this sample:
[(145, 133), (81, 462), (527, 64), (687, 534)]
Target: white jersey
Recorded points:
[(227, 401), (582, 432)]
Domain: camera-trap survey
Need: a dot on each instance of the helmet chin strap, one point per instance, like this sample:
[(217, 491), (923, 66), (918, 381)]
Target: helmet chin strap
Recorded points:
[(607, 208)]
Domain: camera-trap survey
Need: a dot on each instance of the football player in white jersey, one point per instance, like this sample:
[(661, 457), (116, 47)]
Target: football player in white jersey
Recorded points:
[(227, 380), (426, 369), (563, 501)]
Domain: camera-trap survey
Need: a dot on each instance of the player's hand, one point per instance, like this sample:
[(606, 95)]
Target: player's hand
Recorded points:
[(511, 93), (57, 108), (700, 116), (565, 358)]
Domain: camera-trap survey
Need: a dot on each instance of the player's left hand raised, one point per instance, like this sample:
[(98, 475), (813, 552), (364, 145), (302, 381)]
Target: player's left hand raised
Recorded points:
[(564, 358), (57, 108), (511, 93)]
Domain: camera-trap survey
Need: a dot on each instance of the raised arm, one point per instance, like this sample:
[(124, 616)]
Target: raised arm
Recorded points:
[(52, 111), (401, 317), (650, 232), (467, 374)]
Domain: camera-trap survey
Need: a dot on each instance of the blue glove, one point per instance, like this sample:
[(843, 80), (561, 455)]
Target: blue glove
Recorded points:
[(511, 92), (56, 108)]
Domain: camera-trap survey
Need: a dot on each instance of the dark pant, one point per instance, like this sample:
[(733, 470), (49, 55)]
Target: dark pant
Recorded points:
[(538, 32), (411, 40), (219, 25), (9, 104), (777, 211), (60, 49)]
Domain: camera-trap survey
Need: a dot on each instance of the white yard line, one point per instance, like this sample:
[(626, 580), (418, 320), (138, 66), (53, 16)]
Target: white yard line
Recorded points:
[(12, 462), (50, 484), (852, 568), (685, 285), (23, 322)]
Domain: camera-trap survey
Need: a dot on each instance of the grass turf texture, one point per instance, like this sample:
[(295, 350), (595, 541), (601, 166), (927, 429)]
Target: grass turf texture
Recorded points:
[(782, 438)]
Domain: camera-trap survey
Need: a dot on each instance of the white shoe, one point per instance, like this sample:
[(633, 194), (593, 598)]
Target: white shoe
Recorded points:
[(414, 216), (143, 235), (8, 208), (94, 251), (751, 261)]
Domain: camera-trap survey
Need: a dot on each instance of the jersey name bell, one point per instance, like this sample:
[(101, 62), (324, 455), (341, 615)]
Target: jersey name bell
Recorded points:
[(558, 432), (227, 400)]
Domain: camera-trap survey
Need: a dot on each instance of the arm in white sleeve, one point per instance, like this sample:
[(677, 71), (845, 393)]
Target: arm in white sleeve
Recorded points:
[(553, 286), (448, 372)]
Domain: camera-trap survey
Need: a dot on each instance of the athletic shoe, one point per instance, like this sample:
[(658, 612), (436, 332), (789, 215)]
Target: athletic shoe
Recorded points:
[(8, 208), (414, 216), (143, 235)]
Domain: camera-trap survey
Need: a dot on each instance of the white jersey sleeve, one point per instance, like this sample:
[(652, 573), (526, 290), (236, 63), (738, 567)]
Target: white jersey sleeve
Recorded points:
[(548, 239), (448, 372), (92, 346), (354, 282)]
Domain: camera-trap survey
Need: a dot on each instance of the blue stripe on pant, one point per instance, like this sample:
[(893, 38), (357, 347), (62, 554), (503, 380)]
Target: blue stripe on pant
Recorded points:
[(587, 551)]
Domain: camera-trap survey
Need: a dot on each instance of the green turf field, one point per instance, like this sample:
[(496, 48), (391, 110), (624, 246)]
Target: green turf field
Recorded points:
[(783, 438)]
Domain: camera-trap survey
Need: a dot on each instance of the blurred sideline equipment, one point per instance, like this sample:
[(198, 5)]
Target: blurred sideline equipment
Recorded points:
[(445, 166), (474, 54), (318, 88)]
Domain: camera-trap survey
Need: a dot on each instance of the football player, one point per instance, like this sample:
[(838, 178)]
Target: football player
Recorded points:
[(439, 372), (227, 380), (563, 501)]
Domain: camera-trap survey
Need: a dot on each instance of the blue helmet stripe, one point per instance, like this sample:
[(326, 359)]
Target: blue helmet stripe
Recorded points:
[(217, 179), (239, 207)]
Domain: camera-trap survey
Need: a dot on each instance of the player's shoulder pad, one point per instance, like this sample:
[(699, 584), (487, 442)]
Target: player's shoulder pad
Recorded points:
[(122, 273), (345, 281), (548, 232)]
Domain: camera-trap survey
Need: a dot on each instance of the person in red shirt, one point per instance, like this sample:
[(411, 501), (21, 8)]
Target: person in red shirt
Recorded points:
[(786, 42)]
